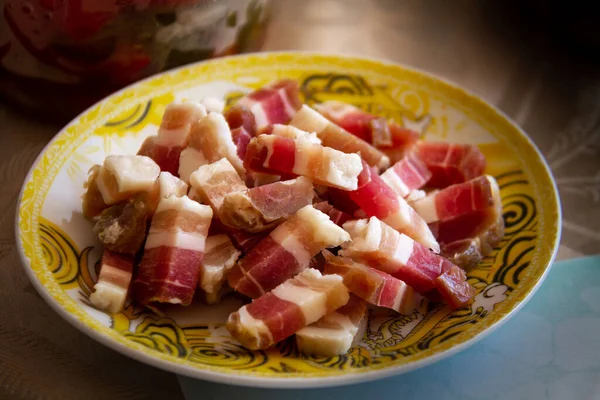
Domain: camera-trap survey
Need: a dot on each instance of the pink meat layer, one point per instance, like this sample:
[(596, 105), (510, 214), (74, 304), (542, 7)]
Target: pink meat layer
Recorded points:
[(167, 275)]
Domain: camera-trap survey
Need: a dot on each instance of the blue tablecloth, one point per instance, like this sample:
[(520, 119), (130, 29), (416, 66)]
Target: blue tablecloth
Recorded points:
[(549, 350)]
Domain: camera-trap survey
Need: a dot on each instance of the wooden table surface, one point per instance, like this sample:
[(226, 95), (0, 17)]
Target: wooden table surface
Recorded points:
[(503, 56)]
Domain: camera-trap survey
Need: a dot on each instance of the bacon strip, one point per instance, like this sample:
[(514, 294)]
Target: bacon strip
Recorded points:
[(263, 207), (219, 257), (379, 246), (110, 292), (374, 286), (285, 252), (407, 175), (210, 140), (276, 103), (289, 307), (212, 182), (323, 165), (377, 199), (335, 137), (451, 163), (335, 333), (121, 177), (173, 252), (456, 200)]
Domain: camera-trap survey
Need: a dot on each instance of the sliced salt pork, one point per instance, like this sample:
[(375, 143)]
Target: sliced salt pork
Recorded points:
[(276, 103), (379, 200), (407, 175), (335, 137), (456, 200), (261, 208), (374, 286), (92, 202), (220, 255), (173, 252), (285, 252), (451, 163), (323, 165), (379, 246), (210, 183), (289, 307), (110, 292), (210, 140), (121, 177), (335, 333)]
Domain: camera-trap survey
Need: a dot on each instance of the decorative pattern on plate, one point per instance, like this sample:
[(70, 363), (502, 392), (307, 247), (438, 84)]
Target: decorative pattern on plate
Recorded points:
[(51, 232)]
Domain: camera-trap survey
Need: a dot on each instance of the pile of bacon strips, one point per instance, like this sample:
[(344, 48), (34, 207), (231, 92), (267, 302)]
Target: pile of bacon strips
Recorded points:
[(313, 214)]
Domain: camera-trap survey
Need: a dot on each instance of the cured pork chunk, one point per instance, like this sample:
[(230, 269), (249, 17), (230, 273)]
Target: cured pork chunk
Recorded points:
[(173, 133), (121, 177), (289, 307), (467, 238), (380, 132), (456, 200), (335, 137), (379, 246), (372, 285), (379, 200), (263, 207), (220, 255), (210, 183), (110, 292), (335, 333), (210, 140), (173, 252), (276, 103), (285, 252), (323, 165)]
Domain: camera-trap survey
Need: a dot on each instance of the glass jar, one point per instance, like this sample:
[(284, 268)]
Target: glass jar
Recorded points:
[(58, 57)]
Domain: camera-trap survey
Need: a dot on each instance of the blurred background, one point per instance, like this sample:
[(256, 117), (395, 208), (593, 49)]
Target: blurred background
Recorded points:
[(537, 61)]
